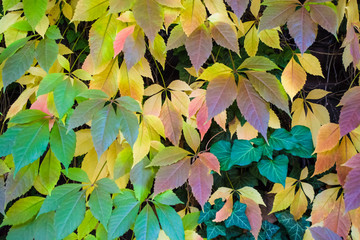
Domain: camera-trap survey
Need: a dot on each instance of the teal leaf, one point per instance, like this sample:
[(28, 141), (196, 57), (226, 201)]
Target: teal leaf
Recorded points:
[(207, 214), (108, 185), (304, 146), (100, 204), (63, 143), (295, 229), (282, 139), (27, 116), (222, 150), (168, 198), (94, 93), (125, 196), (170, 221), (7, 140), (267, 230), (85, 111), (12, 48), (30, 143), (142, 179), (46, 53), (64, 95), (76, 174), (23, 232), (238, 217), (243, 153), (70, 214), (44, 228), (104, 129), (34, 11), (129, 104), (18, 64), (123, 216), (53, 32), (146, 224), (274, 170), (213, 230), (129, 125), (49, 83)]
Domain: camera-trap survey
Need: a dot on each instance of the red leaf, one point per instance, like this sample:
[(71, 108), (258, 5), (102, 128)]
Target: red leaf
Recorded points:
[(302, 28), (238, 7), (121, 37), (172, 121), (172, 176), (253, 213), (220, 94), (198, 46), (252, 106), (325, 16), (201, 182), (201, 120), (210, 160)]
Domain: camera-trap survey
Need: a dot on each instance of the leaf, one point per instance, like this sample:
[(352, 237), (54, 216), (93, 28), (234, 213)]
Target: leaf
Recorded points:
[(251, 42), (149, 15), (76, 174), (201, 182), (225, 212), (222, 151), (64, 95), (30, 143), (328, 137), (243, 153), (63, 143), (271, 38), (253, 214), (27, 116), (210, 161), (302, 29), (168, 198), (172, 121), (293, 78), (70, 214), (325, 16), (213, 230), (172, 176), (351, 189), (142, 145), (225, 35), (100, 204), (323, 233), (22, 210), (220, 94), (323, 204), (349, 119), (49, 171), (282, 139), (270, 88), (198, 46), (168, 155), (276, 15), (44, 227), (34, 11), (123, 216), (207, 214), (316, 94), (129, 125), (295, 229), (251, 193), (193, 15), (268, 230), (12, 48), (304, 147), (46, 53), (299, 205), (49, 83), (16, 65), (238, 7), (258, 63), (84, 112), (108, 185), (104, 129), (310, 64), (121, 37), (170, 221), (176, 38), (191, 136), (134, 48), (87, 225), (146, 224), (238, 217), (89, 10), (252, 106), (142, 179), (274, 170)]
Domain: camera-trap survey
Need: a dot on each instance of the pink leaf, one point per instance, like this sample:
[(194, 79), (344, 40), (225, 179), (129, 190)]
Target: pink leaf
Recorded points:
[(172, 176), (238, 7), (172, 121), (276, 15), (41, 104), (253, 213), (195, 105), (325, 16), (352, 190), (338, 221), (350, 112), (120, 39), (201, 182), (210, 160), (201, 120), (225, 211), (353, 162)]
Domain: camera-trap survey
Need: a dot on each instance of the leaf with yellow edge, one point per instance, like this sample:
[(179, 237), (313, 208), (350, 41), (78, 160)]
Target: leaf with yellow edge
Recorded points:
[(271, 38), (283, 199), (192, 136), (221, 192), (251, 42), (293, 78), (168, 155), (328, 137), (154, 122), (192, 16), (225, 212), (142, 144), (158, 50), (316, 94), (251, 193), (215, 71), (107, 80), (345, 152), (88, 10), (310, 63), (324, 202), (131, 83), (299, 205), (246, 132), (172, 121)]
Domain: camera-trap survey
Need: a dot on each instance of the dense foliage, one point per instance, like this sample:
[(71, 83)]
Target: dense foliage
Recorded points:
[(180, 119)]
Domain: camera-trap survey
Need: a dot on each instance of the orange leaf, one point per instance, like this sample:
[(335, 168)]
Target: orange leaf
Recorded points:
[(253, 214), (338, 221), (210, 160), (345, 151), (328, 137), (323, 203), (225, 211), (293, 78)]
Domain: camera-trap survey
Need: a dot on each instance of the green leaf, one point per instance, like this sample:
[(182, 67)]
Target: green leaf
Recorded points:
[(123, 216), (129, 125), (87, 225), (169, 155), (49, 83), (295, 229), (7, 140), (238, 217), (274, 170), (222, 150), (243, 153), (146, 224), (89, 10), (70, 214), (44, 227), (58, 195), (53, 32), (142, 179), (93, 93), (34, 11), (84, 75), (125, 196), (213, 230), (258, 63), (104, 129), (12, 48), (76, 174), (123, 162), (190, 220), (22, 26), (85, 111), (23, 232), (282, 139), (108, 185), (168, 198), (63, 143), (22, 210), (46, 53), (30, 143), (170, 221), (129, 103), (207, 214), (49, 172), (100, 204), (304, 145), (28, 115), (9, 4), (18, 64), (64, 95)]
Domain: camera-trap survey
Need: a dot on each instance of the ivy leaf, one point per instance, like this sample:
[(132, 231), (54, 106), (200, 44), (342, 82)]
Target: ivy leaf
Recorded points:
[(268, 230), (243, 153), (222, 150), (170, 221), (168, 198), (238, 217), (63, 143), (282, 139), (146, 224), (129, 125), (30, 143), (46, 53), (207, 214), (294, 228), (304, 146), (258, 63), (213, 230), (100, 204), (142, 179), (201, 182), (274, 170), (34, 11)]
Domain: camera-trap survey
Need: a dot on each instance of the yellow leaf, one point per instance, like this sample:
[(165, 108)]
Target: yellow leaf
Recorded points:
[(131, 83), (107, 80), (310, 63), (192, 16), (179, 85), (324, 202), (143, 68), (279, 187), (330, 179), (246, 132), (158, 50), (88, 10), (153, 89), (221, 192), (155, 123), (320, 112), (220, 119), (152, 105), (299, 205), (192, 235), (20, 102), (352, 12), (283, 199), (215, 71), (304, 173), (172, 121), (308, 190), (252, 193), (274, 121), (142, 144), (233, 125), (112, 154), (42, 26), (162, 235), (83, 142), (181, 102), (251, 42), (67, 10), (214, 6), (255, 7), (192, 136), (123, 181), (293, 78), (271, 38), (95, 169), (328, 137), (9, 19)]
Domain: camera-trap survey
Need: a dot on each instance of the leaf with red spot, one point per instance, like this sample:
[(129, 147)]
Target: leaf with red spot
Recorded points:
[(201, 182), (120, 39)]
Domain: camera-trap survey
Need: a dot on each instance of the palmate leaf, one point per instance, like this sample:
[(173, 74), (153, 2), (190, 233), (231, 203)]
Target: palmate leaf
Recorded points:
[(276, 15), (146, 224), (129, 125), (46, 53), (100, 204), (170, 221)]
